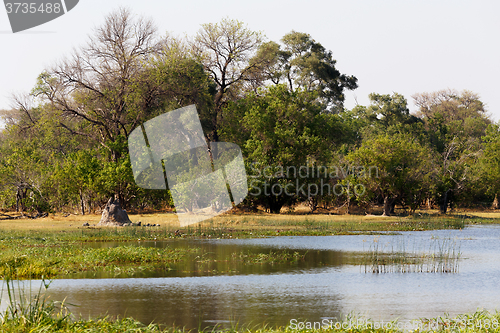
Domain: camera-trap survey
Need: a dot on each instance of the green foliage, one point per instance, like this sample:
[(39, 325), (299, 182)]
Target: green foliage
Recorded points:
[(387, 114), (489, 162), (279, 129), (304, 64), (398, 169), (449, 115), (30, 148), (64, 148)]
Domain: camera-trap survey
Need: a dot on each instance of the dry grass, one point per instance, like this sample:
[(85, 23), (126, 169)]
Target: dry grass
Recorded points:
[(59, 222), (488, 215)]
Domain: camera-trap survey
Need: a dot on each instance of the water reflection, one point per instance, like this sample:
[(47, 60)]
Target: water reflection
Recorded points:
[(221, 258), (325, 284), (194, 302)]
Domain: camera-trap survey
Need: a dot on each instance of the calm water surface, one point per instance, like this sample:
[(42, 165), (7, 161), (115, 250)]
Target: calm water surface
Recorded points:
[(321, 286)]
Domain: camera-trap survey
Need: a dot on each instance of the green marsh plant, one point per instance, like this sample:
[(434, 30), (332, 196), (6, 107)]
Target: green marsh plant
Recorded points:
[(442, 256)]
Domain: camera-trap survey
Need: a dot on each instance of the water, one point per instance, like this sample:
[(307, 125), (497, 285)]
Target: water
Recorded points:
[(325, 285)]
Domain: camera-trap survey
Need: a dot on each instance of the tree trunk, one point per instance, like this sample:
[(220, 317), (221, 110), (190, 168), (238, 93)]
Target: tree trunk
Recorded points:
[(393, 207), (274, 206), (495, 202), (324, 204), (121, 198), (18, 201), (348, 204), (429, 203), (22, 191), (444, 204), (312, 203), (387, 206), (82, 203), (214, 153)]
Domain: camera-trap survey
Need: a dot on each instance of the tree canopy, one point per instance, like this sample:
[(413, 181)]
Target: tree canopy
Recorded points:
[(64, 145)]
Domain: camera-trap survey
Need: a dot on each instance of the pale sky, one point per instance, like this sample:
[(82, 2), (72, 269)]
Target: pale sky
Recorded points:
[(390, 46)]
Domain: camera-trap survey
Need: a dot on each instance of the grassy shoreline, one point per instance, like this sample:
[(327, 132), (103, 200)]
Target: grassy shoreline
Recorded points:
[(53, 246), (42, 316), (252, 225), (37, 314), (33, 251), (31, 257)]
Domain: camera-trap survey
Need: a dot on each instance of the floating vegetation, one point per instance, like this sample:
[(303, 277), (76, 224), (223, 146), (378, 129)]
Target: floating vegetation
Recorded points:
[(442, 256)]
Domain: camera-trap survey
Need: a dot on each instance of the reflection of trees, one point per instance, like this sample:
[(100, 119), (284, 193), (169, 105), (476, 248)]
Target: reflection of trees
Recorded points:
[(254, 297)]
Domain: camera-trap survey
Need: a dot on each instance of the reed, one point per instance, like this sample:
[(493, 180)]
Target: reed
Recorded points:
[(442, 256), (32, 311)]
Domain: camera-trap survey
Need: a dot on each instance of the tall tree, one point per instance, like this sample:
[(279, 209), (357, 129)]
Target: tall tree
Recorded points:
[(302, 63), (451, 115), (95, 84), (390, 114), (282, 132), (455, 123), (490, 163), (225, 49), (122, 77), (398, 168), (30, 146)]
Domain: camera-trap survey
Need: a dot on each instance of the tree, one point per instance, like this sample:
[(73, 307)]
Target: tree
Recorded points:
[(171, 80), (23, 174), (391, 114), (449, 115), (386, 114), (75, 178), (281, 132), (302, 63), (455, 123), (398, 169), (451, 104), (122, 77), (94, 86), (490, 162), (31, 146), (456, 170), (225, 49)]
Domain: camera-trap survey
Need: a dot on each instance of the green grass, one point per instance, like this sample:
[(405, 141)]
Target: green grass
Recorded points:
[(49, 253), (53, 260), (31, 255), (243, 225)]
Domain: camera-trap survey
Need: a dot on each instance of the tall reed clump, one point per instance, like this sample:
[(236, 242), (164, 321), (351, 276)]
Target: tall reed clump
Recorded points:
[(442, 256), (28, 311)]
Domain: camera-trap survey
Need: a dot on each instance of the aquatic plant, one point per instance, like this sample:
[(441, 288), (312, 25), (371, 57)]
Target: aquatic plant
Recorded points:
[(442, 256)]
